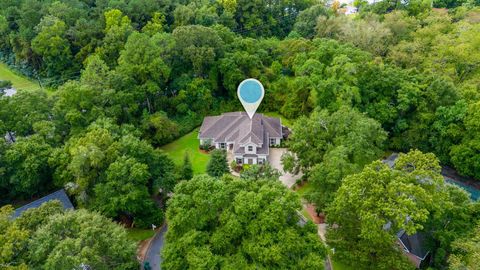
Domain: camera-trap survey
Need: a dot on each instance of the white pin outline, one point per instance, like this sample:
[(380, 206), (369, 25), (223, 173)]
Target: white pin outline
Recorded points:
[(251, 108)]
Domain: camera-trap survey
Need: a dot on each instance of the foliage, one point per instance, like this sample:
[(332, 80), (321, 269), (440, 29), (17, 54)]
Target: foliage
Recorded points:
[(239, 223), (217, 165), (60, 243), (14, 241), (339, 144), (257, 172), (186, 170), (466, 251)]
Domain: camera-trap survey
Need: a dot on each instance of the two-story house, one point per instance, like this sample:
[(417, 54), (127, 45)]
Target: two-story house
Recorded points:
[(248, 139)]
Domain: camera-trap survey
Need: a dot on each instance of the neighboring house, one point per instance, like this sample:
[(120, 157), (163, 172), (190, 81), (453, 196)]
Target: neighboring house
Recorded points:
[(249, 140), (58, 195), (414, 247)]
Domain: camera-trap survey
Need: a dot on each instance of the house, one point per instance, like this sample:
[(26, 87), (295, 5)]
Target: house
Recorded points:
[(414, 247), (59, 195), (249, 140)]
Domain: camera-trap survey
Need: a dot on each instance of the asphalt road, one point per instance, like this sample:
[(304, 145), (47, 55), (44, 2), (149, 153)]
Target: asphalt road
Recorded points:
[(153, 253)]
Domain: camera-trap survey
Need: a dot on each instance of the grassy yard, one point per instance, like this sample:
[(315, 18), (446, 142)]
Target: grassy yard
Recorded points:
[(190, 143), (18, 81), (138, 235), (304, 189), (340, 266)]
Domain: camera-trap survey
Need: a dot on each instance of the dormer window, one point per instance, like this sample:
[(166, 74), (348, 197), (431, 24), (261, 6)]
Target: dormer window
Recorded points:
[(250, 148)]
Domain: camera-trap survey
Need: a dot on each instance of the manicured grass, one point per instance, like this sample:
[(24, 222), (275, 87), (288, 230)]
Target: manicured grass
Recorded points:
[(340, 266), (190, 143), (18, 81), (286, 122), (304, 189), (138, 235)]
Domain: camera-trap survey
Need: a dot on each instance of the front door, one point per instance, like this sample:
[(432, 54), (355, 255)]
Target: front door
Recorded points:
[(250, 161)]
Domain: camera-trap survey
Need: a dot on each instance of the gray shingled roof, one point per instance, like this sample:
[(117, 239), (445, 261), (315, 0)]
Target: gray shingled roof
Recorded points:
[(415, 243), (58, 195), (237, 127)]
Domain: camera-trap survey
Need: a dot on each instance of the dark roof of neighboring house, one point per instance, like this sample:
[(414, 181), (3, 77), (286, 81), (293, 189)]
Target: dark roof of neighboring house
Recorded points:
[(390, 161), (237, 127), (415, 244), (58, 195)]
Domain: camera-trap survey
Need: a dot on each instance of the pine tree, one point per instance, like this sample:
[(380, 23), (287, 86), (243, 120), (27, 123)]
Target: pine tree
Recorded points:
[(217, 166), (187, 171)]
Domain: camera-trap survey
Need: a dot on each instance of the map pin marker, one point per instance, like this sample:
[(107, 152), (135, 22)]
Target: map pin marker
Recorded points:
[(250, 92)]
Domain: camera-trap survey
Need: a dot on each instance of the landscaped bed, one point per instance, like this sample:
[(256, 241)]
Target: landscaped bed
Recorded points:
[(190, 143)]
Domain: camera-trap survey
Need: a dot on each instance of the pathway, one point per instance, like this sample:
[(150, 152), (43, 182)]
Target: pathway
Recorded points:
[(156, 245)]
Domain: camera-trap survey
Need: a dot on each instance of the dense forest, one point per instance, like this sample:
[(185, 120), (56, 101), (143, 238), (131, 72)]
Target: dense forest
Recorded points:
[(120, 78)]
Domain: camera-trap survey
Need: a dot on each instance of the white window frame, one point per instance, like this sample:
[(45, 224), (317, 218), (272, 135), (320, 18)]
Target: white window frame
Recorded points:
[(273, 141)]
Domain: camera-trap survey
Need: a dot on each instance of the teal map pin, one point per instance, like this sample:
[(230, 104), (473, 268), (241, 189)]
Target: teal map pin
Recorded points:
[(250, 92)]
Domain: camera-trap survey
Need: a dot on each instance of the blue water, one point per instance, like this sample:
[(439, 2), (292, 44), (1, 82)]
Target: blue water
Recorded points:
[(251, 91), (474, 193)]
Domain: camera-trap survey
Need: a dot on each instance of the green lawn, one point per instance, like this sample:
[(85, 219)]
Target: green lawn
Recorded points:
[(138, 235), (286, 122), (340, 266), (18, 81), (304, 189), (190, 143)]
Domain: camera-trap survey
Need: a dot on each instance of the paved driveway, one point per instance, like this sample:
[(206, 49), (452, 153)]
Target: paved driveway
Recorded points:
[(153, 253), (287, 179)]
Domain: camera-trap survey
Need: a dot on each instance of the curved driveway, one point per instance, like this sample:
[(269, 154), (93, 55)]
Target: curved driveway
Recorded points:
[(156, 245)]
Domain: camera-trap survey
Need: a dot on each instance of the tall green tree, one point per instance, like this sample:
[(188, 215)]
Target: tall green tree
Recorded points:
[(372, 206), (238, 224), (60, 243), (186, 171), (217, 165), (327, 147)]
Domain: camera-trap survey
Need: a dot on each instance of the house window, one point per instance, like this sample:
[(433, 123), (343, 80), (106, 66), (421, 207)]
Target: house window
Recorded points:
[(222, 145), (239, 160), (273, 141), (250, 148), (261, 161)]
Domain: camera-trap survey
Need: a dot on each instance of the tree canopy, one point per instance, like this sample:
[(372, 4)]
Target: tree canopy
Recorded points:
[(238, 224)]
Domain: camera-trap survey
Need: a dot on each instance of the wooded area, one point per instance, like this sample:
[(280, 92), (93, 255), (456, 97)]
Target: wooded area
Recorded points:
[(126, 77)]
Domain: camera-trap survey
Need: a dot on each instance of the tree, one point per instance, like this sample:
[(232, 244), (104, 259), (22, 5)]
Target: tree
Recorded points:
[(117, 29), (327, 147), (61, 243), (52, 45), (466, 253), (198, 46), (307, 20), (217, 165), (83, 161), (186, 170), (158, 129), (125, 193), (257, 172), (14, 241), (27, 170), (372, 206), (238, 224), (20, 112)]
